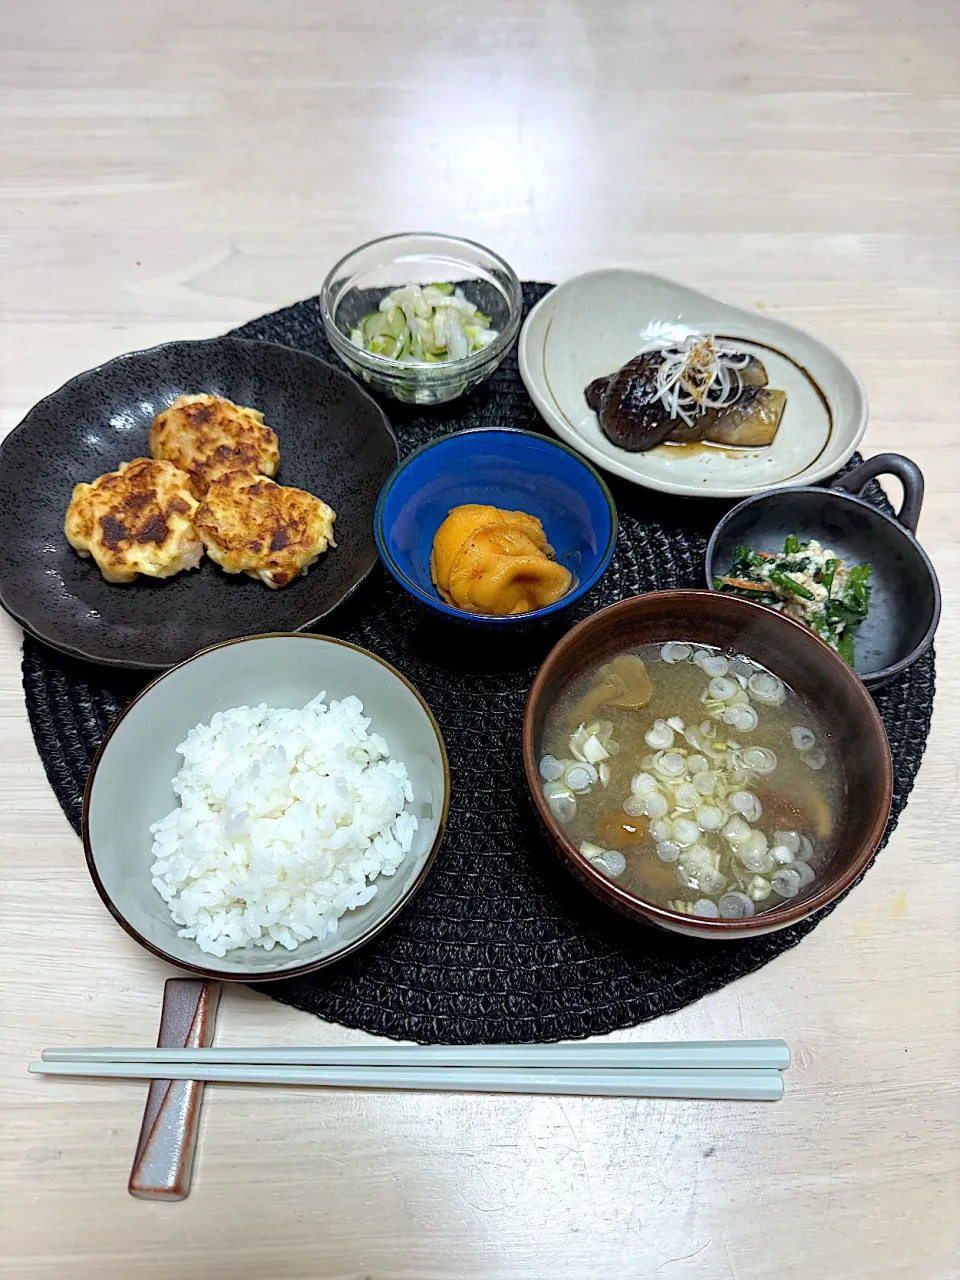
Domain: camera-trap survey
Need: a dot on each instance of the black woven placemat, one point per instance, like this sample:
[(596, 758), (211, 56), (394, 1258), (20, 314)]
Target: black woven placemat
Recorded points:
[(498, 946)]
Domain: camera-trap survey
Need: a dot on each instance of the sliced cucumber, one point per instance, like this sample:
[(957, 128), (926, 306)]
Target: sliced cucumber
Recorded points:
[(396, 321), (431, 338), (375, 326), (384, 324), (383, 345), (404, 345)]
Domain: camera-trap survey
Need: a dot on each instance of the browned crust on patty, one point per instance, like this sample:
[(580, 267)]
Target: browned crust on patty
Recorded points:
[(137, 519), (207, 436), (272, 532)]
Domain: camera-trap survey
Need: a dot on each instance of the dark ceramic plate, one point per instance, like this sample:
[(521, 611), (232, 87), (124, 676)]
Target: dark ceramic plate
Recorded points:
[(334, 441)]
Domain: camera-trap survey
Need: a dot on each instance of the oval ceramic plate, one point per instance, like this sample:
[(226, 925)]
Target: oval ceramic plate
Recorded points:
[(334, 442), (594, 323)]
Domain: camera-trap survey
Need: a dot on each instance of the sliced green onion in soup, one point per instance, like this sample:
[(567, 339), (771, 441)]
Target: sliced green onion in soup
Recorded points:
[(706, 909), (814, 759), (685, 832), (655, 804), (789, 838), (613, 863), (715, 665), (711, 881), (644, 782), (742, 717), (686, 796), (563, 804), (766, 688), (660, 736), (805, 873), (786, 882), (722, 689), (594, 751), (669, 764), (709, 818), (760, 759), (674, 651), (550, 768), (737, 830), (610, 861), (735, 906), (747, 805), (581, 777), (759, 889), (756, 858)]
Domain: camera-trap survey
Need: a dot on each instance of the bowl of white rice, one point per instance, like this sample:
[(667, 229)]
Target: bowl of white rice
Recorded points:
[(266, 807)]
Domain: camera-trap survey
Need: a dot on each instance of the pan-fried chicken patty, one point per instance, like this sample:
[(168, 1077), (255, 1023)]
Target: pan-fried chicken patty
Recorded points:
[(272, 532), (138, 519), (207, 436)]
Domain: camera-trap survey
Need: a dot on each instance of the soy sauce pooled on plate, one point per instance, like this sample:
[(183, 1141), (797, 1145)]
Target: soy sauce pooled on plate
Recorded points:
[(689, 391), (694, 778)]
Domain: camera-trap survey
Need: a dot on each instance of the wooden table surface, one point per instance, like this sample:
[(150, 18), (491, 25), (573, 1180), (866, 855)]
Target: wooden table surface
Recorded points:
[(170, 169)]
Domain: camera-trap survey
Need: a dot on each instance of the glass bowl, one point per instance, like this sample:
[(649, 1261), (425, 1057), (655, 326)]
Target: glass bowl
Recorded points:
[(357, 282)]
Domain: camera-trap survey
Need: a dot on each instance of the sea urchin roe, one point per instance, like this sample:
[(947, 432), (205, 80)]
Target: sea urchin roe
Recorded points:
[(489, 561)]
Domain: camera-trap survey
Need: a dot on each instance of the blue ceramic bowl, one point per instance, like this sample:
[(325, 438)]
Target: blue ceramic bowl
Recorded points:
[(516, 470)]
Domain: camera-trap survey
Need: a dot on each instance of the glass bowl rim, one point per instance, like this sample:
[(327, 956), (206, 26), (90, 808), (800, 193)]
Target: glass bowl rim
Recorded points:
[(448, 369)]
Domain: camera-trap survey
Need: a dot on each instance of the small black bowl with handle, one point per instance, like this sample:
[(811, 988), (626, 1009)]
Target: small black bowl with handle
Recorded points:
[(905, 595)]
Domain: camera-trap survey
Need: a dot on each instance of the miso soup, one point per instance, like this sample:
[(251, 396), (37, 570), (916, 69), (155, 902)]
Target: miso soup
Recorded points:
[(695, 778)]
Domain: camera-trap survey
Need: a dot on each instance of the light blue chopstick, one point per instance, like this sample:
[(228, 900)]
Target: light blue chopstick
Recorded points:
[(620, 1055), (764, 1085)]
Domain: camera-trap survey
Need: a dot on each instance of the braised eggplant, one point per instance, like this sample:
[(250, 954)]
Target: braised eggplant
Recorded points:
[(594, 392), (753, 373), (752, 421), (630, 411), (693, 391)]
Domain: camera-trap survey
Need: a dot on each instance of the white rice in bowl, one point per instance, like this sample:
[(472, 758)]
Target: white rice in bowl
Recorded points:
[(285, 819)]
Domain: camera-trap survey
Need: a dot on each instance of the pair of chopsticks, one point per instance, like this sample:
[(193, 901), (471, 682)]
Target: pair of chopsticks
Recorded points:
[(723, 1069)]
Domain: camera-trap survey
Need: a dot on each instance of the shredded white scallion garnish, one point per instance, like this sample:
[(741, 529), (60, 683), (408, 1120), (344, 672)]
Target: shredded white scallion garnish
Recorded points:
[(696, 375)]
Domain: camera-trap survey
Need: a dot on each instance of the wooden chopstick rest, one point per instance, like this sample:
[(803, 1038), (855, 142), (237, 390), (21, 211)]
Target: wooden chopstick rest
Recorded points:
[(163, 1165)]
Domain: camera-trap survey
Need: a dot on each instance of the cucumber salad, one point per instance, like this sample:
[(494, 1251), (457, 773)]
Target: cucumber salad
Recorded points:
[(424, 324), (807, 582)]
